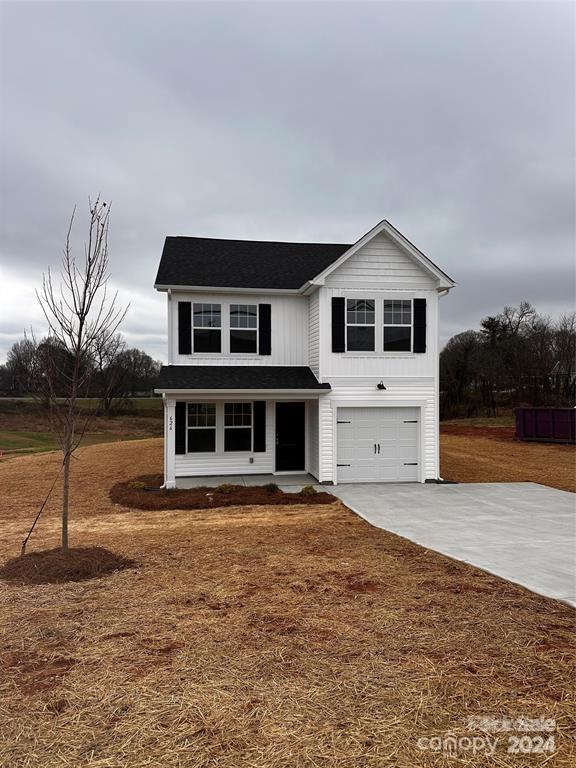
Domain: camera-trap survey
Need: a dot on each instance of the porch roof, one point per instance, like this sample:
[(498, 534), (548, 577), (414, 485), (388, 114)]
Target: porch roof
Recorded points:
[(238, 377)]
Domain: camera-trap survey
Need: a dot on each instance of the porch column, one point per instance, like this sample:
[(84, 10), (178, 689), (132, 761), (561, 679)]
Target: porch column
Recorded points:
[(169, 443)]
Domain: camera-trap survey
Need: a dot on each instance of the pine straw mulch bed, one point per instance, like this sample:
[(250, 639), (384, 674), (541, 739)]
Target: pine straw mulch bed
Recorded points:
[(144, 492), (52, 566), (298, 637)]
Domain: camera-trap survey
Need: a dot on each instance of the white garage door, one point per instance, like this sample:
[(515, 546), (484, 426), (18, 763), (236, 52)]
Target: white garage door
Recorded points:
[(378, 445)]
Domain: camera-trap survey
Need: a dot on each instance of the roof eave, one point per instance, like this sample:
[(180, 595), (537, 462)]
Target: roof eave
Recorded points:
[(224, 289), (218, 391)]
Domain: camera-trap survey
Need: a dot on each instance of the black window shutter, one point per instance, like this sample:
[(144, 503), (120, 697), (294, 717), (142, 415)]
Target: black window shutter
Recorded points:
[(338, 327), (184, 327), (419, 325), (265, 332), (180, 427), (260, 426)]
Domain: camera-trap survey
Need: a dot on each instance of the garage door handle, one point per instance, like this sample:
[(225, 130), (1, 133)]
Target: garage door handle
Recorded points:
[(410, 463), (411, 422), (374, 447), (378, 447)]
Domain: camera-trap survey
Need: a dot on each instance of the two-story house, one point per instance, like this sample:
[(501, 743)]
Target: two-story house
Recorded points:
[(301, 357)]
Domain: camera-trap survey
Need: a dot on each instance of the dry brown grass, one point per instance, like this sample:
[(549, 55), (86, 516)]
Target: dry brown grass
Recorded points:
[(259, 637), (491, 455)]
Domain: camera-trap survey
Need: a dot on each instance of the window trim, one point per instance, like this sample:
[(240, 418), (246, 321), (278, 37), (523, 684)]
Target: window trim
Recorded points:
[(207, 327), (256, 329), (215, 427), (399, 325), (359, 325), (238, 426)]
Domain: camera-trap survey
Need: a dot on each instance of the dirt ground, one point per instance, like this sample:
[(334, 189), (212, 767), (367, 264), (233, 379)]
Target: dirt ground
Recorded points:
[(470, 454), (260, 636)]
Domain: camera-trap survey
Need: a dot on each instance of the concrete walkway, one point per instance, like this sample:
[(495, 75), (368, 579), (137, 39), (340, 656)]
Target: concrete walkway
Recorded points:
[(524, 532), (289, 482)]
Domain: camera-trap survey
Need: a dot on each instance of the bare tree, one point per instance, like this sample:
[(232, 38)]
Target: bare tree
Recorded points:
[(82, 318), (110, 385)]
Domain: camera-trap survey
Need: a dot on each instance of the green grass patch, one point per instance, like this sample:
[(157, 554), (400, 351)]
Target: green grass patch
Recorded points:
[(18, 443), (505, 420)]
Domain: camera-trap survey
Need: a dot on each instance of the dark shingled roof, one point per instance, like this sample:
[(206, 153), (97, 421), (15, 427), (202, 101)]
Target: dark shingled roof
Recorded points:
[(208, 261), (238, 377)]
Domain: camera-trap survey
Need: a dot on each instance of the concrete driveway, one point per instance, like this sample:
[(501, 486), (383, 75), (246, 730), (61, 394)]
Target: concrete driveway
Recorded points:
[(524, 532)]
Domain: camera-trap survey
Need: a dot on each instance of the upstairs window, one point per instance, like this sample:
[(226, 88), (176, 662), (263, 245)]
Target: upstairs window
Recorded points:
[(244, 328), (360, 325), (201, 427), (207, 328), (397, 325), (237, 426)]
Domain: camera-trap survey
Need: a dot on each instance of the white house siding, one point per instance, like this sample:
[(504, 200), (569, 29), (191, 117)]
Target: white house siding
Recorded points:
[(222, 463), (228, 463), (289, 329), (399, 392), (380, 261), (406, 364), (314, 333)]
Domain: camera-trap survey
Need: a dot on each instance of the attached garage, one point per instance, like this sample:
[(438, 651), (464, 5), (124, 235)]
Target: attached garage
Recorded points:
[(378, 445)]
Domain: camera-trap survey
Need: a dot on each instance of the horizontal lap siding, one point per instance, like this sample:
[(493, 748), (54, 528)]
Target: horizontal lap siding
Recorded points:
[(289, 329), (314, 333), (379, 261), (365, 389)]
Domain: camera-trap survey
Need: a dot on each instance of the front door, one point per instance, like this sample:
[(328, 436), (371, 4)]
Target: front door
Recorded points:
[(290, 437)]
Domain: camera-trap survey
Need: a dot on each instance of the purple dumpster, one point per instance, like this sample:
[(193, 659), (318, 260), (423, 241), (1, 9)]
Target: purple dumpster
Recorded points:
[(546, 425)]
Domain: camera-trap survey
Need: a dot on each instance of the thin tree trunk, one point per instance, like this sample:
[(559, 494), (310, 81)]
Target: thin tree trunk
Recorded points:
[(65, 503)]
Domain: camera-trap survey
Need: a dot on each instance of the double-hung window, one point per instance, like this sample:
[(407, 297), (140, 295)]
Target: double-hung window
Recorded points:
[(244, 328), (201, 427), (237, 426), (360, 325), (397, 325), (207, 328)]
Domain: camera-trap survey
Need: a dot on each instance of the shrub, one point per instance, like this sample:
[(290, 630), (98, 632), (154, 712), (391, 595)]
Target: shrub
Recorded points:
[(308, 490), (271, 488), (137, 484), (226, 488)]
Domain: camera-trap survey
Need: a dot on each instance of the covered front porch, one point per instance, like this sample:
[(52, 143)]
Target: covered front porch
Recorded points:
[(258, 422)]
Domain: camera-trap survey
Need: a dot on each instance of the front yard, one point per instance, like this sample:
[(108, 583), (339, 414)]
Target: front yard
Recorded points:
[(478, 452), (259, 636)]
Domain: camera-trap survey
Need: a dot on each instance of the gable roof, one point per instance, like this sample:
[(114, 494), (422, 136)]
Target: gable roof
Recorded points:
[(206, 262), (384, 226), (212, 262)]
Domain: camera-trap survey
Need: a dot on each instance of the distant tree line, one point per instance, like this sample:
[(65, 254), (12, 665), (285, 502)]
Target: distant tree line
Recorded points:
[(117, 372), (518, 357)]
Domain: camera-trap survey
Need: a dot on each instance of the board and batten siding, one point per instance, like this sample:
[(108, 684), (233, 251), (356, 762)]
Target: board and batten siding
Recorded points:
[(231, 462), (378, 363), (289, 324), (399, 392), (380, 261), (314, 333)]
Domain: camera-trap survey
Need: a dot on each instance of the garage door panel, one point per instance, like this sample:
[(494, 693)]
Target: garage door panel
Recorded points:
[(395, 430)]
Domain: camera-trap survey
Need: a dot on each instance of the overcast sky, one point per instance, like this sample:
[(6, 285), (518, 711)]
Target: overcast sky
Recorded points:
[(306, 122)]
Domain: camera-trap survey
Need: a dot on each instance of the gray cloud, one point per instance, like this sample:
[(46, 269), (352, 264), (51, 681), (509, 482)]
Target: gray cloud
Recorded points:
[(292, 121)]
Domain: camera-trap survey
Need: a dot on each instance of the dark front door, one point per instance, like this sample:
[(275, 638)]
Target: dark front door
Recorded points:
[(290, 437)]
